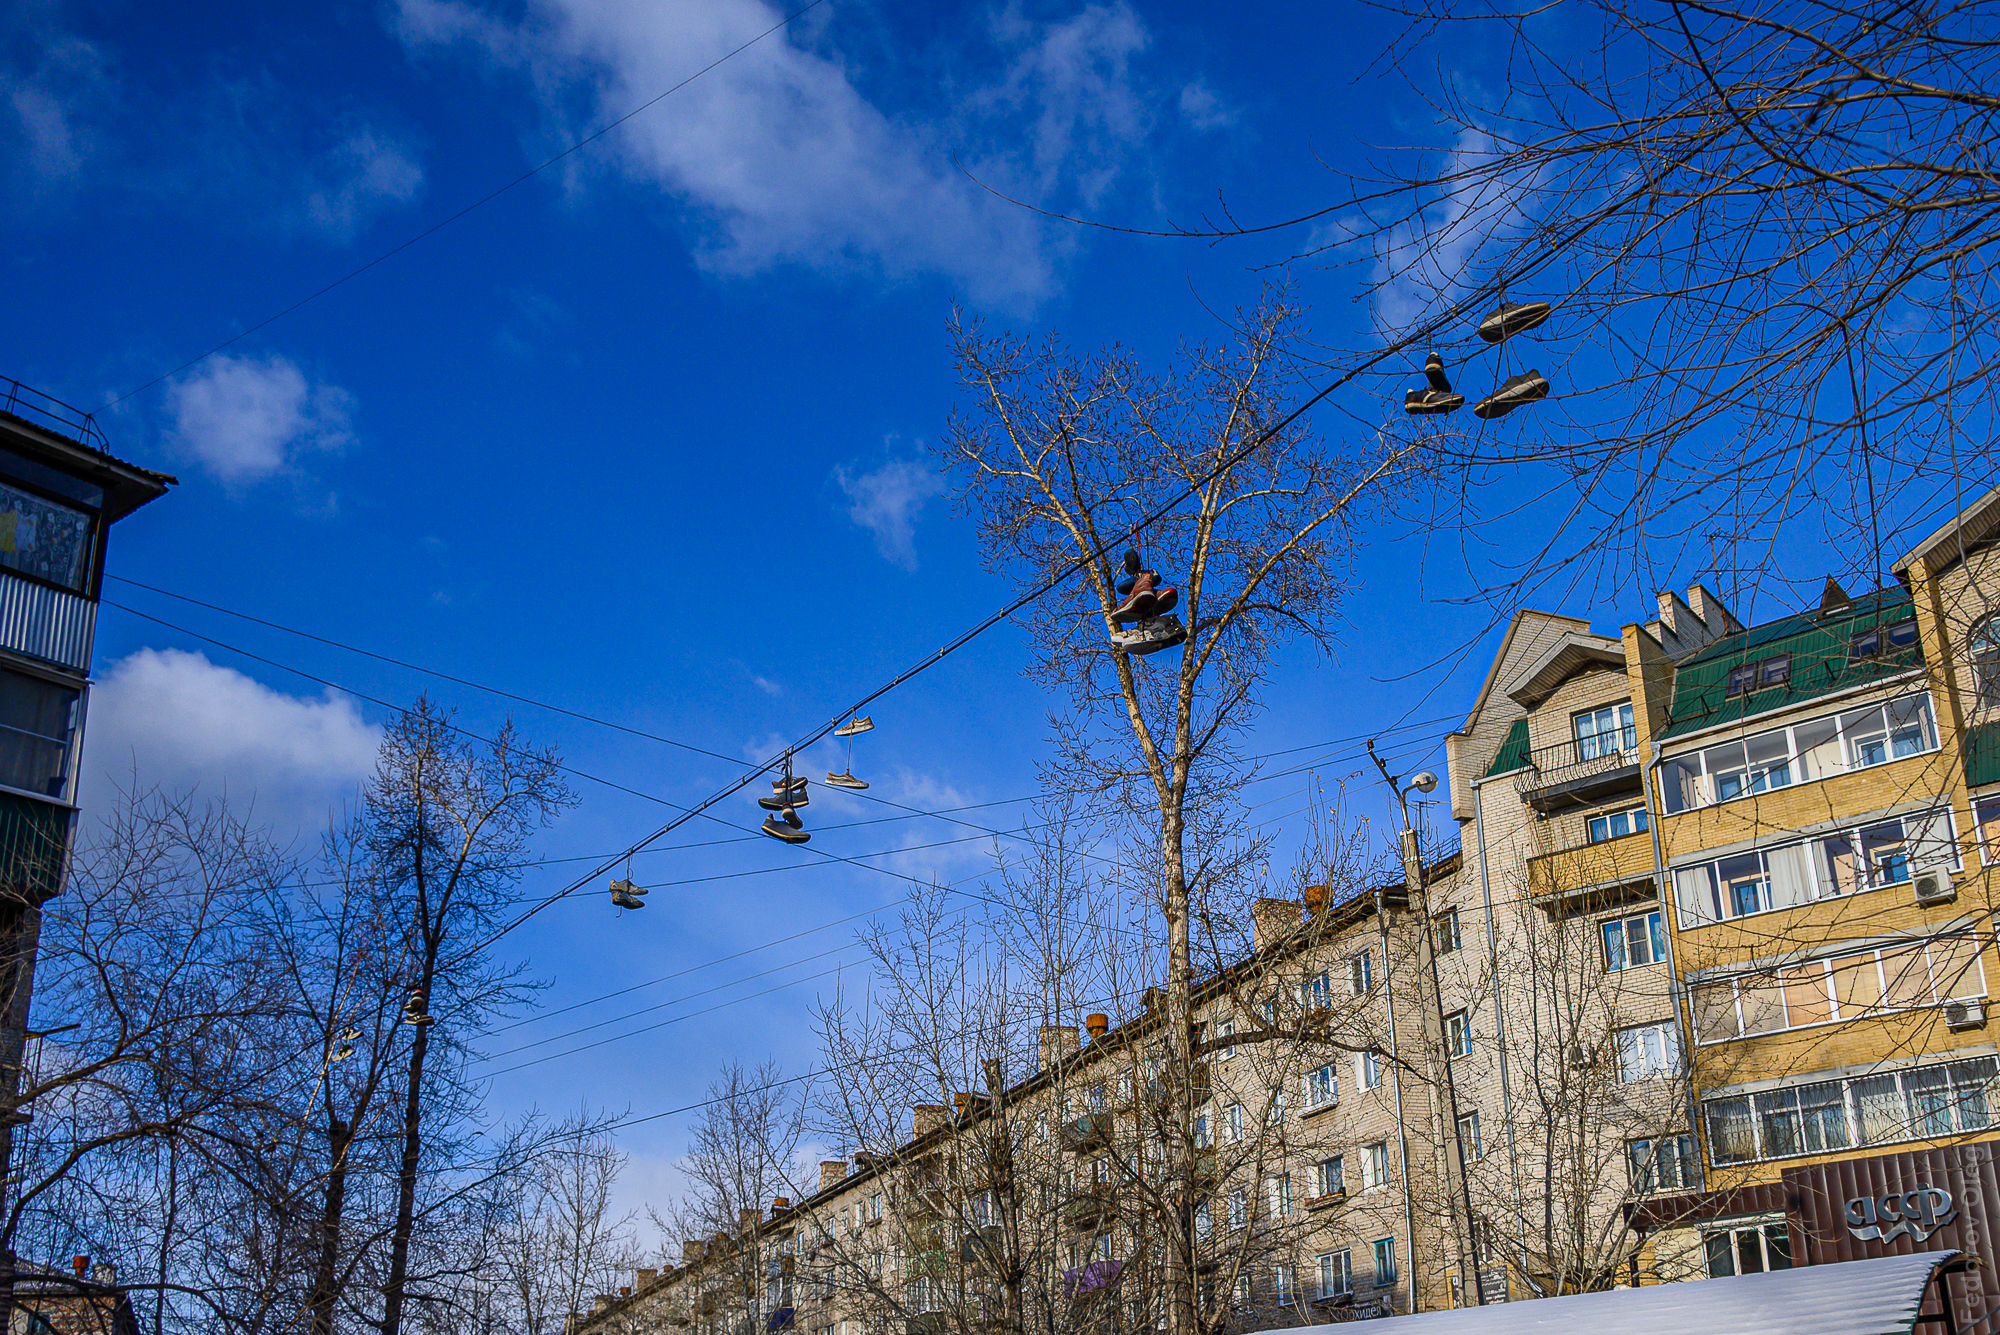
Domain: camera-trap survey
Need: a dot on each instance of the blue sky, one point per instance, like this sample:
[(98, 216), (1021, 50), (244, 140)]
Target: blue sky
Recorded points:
[(645, 436)]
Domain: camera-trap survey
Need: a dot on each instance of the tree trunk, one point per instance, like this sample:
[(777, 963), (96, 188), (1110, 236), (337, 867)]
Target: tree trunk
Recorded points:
[(320, 1302), (406, 1178), (1182, 1300)]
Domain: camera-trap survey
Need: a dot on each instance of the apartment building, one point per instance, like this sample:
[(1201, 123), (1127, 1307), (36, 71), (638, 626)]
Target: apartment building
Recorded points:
[(1700, 991)]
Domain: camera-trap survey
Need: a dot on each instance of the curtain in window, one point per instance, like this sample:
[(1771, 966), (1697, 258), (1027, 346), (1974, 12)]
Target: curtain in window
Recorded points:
[(1791, 872), (1731, 1137)]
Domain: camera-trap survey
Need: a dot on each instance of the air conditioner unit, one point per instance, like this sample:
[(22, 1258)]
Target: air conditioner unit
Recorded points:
[(1965, 1014), (1935, 887)]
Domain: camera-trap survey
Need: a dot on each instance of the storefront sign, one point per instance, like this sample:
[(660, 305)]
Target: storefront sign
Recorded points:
[(1915, 1214)]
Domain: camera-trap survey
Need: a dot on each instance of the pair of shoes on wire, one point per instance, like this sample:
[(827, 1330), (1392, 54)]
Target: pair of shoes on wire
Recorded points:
[(627, 895), (851, 729), (1148, 608), (417, 1011), (1508, 319), (788, 794)]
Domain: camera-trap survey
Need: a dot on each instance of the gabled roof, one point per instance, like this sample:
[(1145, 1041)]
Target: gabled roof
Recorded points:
[(1971, 528), (1822, 663), (1573, 652), (1500, 657)]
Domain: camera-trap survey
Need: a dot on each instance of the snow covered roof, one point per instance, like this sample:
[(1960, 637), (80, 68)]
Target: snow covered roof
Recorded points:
[(1879, 1296)]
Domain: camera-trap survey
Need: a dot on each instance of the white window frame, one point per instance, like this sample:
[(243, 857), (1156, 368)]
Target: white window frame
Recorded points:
[(1605, 737), (1654, 1164), (1447, 936), (1278, 1194), (1783, 764), (1375, 1165), (1783, 1125), (1336, 1273), (1232, 1123), (1746, 884), (1648, 1051), (1652, 928), (1637, 821), (1468, 1135), (1368, 1069), (1322, 1087), (1361, 972), (1764, 994), (1330, 1175), (1763, 1231), (1458, 1034)]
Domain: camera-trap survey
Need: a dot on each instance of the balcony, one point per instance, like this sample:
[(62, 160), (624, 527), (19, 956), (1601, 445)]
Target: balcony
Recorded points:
[(48, 623), (1570, 773), (34, 844), (1089, 1206), (1593, 868), (1092, 1131)]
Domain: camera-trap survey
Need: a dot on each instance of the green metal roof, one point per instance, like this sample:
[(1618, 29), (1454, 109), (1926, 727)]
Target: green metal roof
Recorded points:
[(1513, 749), (1821, 663), (1982, 754)]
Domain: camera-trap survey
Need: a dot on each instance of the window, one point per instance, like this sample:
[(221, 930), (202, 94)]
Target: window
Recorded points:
[(1915, 1103), (1336, 1274), (44, 540), (1232, 1123), (1887, 853), (1226, 1029), (36, 719), (1204, 1221), (1648, 1050), (1468, 1136), (1799, 754), (1318, 992), (1322, 1088), (1877, 640), (1375, 1167), (1774, 671), (1243, 1290), (1446, 934), (1631, 943), (1604, 732), (1368, 1069), (1385, 1262), (1281, 1283), (1840, 987), (1274, 1111), (1204, 1137), (1239, 1207), (1617, 824), (1278, 1194), (1458, 1034), (1748, 1251), (1361, 973), (875, 1206), (1739, 681), (1665, 1163), (1984, 647), (1331, 1177)]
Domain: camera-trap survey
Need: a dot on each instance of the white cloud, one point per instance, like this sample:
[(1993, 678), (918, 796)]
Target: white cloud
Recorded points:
[(1202, 109), (58, 88), (1434, 257), (244, 419), (787, 162), (362, 175), (169, 718), (887, 502)]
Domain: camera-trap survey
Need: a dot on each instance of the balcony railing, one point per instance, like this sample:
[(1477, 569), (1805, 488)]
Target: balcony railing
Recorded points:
[(47, 623), (46, 410), (1581, 768)]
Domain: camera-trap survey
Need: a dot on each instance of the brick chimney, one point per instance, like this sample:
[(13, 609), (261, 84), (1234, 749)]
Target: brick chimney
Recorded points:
[(928, 1117), (1098, 1024), (832, 1172), (645, 1277), (1316, 897), (1272, 918), (600, 1302), (692, 1250), (1053, 1042), (749, 1219), (80, 1264)]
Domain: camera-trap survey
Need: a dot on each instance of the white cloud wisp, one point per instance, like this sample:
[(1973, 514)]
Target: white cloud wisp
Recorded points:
[(244, 419), (887, 502)]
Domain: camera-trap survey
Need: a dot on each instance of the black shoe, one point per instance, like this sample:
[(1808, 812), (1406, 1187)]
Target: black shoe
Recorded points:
[(791, 818), (780, 785), (1522, 389), (1434, 372), (786, 801), (1429, 402), (777, 829), (1511, 318)]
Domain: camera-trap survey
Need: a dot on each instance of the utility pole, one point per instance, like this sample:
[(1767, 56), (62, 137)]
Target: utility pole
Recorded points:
[(1413, 885)]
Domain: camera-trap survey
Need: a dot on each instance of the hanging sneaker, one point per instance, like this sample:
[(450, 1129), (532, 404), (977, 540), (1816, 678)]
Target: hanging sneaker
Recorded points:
[(786, 801), (1518, 390), (627, 895), (853, 729), (777, 829), (1511, 318), (845, 780), (1149, 637), (1439, 398), (780, 785)]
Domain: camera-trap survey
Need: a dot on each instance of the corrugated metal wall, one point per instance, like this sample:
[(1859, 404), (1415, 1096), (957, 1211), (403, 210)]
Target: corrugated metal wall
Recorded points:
[(46, 623), (1820, 1194)]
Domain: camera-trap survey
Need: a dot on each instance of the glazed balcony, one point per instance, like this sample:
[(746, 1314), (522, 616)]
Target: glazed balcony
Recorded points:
[(1593, 868), (1572, 773)]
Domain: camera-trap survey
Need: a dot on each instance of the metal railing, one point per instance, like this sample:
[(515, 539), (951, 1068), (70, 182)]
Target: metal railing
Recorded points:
[(1567, 761), (50, 411)]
